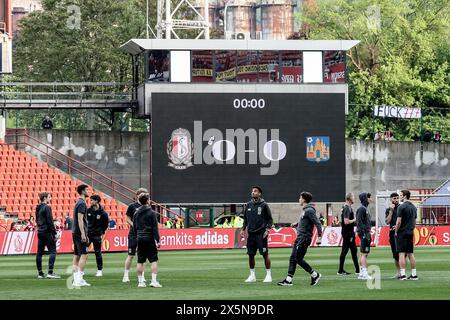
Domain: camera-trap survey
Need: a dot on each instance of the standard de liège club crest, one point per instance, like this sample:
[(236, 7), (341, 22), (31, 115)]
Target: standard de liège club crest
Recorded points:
[(180, 149)]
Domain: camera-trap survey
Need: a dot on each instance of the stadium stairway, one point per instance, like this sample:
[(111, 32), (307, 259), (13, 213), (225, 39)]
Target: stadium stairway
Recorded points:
[(23, 177)]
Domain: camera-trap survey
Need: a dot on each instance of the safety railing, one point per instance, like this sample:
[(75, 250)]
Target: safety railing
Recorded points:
[(65, 90), (64, 95), (90, 176)]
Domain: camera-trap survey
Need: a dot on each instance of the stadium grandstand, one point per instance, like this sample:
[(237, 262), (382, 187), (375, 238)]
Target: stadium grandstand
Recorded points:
[(23, 176)]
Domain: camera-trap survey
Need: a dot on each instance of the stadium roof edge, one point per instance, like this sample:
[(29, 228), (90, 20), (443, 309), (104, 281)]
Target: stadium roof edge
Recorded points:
[(136, 46)]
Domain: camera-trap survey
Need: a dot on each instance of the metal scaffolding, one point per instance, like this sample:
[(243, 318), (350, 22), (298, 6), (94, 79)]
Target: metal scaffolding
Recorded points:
[(167, 22)]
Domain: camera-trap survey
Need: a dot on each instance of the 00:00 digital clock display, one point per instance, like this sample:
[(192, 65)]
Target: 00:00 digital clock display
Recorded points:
[(249, 103)]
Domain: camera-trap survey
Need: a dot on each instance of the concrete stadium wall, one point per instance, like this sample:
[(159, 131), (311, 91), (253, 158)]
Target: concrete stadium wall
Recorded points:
[(370, 166), (124, 156)]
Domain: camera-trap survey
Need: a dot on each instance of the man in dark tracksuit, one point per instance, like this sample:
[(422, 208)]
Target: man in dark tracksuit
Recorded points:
[(97, 224), (348, 235), (145, 227), (305, 227), (258, 222), (364, 224), (46, 236), (391, 220)]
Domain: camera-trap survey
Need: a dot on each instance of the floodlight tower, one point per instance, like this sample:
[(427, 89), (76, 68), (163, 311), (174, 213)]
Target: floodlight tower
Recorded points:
[(168, 24)]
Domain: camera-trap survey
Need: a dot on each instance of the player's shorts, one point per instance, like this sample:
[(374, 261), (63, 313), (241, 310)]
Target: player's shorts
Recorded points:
[(405, 243), (79, 247), (132, 244), (146, 249), (365, 245), (255, 242), (393, 244)]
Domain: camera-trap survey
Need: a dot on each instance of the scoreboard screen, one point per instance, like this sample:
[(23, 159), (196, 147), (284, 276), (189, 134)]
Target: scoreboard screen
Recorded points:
[(212, 147)]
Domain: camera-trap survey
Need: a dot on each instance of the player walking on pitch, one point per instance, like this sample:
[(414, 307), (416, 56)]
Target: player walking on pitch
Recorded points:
[(258, 221), (132, 241), (348, 235), (364, 224), (404, 233), (145, 228), (97, 225), (305, 227)]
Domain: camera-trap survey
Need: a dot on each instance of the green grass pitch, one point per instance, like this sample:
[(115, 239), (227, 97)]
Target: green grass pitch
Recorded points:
[(220, 274)]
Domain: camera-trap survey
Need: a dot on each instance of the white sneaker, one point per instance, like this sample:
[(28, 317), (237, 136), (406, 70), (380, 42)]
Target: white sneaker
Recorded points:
[(268, 278), (99, 273), (364, 276), (155, 284), (142, 285), (251, 278), (83, 283), (125, 279), (76, 284)]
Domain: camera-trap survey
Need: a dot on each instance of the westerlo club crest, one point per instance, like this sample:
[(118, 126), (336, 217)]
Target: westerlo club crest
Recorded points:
[(318, 148), (180, 149)]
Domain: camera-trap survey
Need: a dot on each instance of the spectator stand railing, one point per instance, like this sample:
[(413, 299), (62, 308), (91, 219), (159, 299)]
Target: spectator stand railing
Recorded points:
[(78, 170)]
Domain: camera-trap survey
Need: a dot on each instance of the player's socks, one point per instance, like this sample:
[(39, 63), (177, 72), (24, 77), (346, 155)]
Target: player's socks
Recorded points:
[(153, 276), (141, 283), (125, 276), (289, 278), (313, 274), (402, 272), (252, 272), (413, 272), (76, 279)]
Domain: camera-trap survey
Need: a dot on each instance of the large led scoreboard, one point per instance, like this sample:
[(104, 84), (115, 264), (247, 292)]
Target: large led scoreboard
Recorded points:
[(268, 113)]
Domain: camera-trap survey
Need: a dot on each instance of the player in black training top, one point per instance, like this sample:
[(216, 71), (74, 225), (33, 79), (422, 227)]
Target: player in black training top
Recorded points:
[(132, 241), (305, 227), (80, 237), (46, 236), (145, 227), (97, 224), (364, 225), (404, 232), (258, 222), (391, 220), (348, 235)]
